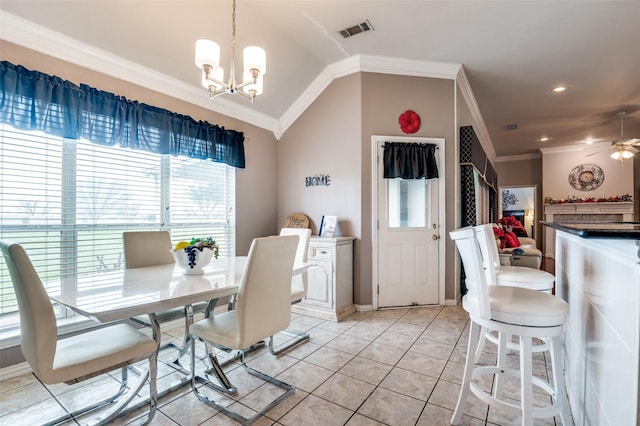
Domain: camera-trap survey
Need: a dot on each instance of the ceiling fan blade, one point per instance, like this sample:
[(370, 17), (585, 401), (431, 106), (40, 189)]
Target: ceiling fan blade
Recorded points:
[(631, 142), (632, 149)]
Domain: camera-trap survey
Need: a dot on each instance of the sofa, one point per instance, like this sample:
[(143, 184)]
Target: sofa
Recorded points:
[(526, 254)]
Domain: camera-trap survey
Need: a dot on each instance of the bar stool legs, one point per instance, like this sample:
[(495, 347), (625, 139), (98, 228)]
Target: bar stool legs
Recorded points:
[(528, 381)]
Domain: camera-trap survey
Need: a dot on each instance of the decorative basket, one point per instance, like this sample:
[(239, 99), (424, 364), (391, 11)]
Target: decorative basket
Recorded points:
[(194, 266)]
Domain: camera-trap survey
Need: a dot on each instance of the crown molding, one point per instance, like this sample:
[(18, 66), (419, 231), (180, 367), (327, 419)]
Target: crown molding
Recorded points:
[(27, 34), (363, 63), (575, 148), (32, 36), (520, 157), (479, 127)]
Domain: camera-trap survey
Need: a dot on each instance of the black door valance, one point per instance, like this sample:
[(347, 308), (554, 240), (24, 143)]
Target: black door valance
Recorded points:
[(410, 160)]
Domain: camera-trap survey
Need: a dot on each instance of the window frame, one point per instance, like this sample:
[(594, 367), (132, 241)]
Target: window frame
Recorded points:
[(69, 229)]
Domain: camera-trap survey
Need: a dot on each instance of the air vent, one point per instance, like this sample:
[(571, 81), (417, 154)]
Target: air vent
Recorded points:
[(356, 29), (511, 127)]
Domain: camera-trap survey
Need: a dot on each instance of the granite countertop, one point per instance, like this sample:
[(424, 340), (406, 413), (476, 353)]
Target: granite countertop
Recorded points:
[(599, 230)]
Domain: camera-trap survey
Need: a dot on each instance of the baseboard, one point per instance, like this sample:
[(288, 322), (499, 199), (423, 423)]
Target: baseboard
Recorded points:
[(363, 308), (450, 302)]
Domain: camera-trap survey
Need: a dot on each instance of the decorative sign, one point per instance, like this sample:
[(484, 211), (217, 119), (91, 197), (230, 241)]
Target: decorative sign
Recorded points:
[(296, 220), (318, 180)]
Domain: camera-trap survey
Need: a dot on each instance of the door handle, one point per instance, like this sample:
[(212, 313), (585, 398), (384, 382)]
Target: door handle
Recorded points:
[(435, 237)]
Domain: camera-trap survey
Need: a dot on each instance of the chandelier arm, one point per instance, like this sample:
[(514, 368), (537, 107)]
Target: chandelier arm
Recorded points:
[(251, 96), (216, 81), (245, 83), (214, 93)]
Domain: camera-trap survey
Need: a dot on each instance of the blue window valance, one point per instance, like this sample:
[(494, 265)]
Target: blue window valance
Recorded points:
[(31, 100)]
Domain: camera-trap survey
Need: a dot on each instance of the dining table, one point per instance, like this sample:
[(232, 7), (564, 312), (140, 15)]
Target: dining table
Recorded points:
[(128, 293)]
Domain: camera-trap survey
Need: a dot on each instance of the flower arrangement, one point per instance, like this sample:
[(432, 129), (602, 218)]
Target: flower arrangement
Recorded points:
[(574, 199), (507, 221)]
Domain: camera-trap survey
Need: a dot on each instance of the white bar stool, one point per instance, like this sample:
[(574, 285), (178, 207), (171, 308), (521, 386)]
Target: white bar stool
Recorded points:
[(515, 276), (510, 311)]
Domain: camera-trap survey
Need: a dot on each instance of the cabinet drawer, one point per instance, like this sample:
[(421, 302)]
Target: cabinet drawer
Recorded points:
[(321, 252)]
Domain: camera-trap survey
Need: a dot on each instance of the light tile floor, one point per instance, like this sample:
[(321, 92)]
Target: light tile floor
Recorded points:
[(388, 367)]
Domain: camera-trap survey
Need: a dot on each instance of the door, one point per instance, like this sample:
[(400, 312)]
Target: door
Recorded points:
[(408, 234)]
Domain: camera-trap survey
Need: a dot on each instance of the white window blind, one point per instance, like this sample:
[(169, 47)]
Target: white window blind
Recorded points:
[(68, 202)]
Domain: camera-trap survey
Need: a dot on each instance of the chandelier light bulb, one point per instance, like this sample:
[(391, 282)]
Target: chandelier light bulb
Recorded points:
[(207, 53), (255, 58)]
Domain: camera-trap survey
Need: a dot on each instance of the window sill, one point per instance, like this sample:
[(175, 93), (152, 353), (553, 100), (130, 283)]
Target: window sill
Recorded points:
[(65, 326)]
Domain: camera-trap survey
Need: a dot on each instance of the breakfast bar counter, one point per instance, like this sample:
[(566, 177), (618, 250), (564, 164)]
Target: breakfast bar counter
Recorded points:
[(598, 274)]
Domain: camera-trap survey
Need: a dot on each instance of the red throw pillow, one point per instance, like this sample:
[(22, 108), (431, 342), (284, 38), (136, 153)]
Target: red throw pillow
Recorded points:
[(511, 240)]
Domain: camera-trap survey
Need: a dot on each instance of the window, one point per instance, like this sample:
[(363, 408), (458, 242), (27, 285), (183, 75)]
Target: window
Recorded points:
[(68, 202), (408, 202)]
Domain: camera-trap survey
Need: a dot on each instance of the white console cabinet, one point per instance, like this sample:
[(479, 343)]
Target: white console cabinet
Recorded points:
[(330, 281)]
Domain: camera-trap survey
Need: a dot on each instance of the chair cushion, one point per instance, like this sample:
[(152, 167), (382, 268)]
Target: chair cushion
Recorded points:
[(99, 350), (221, 329), (520, 276), (521, 306)]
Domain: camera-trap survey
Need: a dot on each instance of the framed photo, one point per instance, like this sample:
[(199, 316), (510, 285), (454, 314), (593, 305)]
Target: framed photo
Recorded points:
[(328, 226)]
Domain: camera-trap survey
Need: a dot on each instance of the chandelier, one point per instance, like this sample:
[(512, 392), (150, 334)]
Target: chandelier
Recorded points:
[(208, 60)]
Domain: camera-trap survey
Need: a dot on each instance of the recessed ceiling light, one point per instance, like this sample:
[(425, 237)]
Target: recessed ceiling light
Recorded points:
[(544, 139), (588, 141), (559, 88)]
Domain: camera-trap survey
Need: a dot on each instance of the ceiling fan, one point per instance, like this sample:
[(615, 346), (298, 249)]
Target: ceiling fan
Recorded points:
[(623, 149)]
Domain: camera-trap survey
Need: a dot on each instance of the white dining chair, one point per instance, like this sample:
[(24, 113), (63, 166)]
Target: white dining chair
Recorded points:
[(79, 357), (262, 309), (152, 248), (515, 276), (298, 288), (510, 311)]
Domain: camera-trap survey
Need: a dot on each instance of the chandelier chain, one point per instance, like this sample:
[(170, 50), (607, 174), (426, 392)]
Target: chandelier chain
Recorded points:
[(233, 23)]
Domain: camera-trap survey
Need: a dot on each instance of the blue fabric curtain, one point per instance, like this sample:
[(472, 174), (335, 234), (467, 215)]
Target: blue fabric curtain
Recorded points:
[(31, 100), (410, 161)]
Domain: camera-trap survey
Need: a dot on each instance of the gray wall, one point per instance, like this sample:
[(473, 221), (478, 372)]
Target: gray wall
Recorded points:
[(333, 136)]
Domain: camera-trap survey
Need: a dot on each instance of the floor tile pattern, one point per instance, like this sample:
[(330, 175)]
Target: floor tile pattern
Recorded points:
[(387, 367)]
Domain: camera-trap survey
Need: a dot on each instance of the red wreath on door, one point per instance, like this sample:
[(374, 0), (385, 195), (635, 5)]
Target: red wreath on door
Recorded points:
[(409, 122)]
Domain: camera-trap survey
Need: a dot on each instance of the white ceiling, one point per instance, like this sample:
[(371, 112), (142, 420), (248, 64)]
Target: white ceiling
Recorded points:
[(513, 53)]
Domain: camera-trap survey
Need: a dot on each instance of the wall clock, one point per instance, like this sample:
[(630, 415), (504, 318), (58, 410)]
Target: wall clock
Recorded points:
[(586, 177)]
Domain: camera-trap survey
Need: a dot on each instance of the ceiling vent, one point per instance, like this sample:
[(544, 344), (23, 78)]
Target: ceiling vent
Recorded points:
[(356, 29), (511, 127)]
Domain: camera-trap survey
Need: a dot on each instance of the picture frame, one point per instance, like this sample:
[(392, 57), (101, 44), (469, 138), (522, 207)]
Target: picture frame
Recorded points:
[(328, 226)]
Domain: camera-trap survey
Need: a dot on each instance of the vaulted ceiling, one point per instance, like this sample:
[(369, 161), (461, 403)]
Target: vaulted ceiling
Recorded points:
[(513, 53)]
